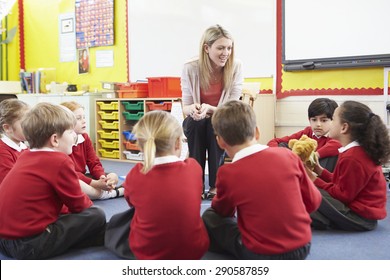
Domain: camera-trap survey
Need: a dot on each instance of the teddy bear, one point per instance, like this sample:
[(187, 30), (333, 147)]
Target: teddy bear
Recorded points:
[(305, 148)]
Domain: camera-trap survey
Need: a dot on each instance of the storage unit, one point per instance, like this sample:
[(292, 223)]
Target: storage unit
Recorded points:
[(115, 119), (164, 87), (107, 128)]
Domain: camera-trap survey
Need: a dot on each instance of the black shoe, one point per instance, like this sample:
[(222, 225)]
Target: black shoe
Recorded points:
[(119, 191)]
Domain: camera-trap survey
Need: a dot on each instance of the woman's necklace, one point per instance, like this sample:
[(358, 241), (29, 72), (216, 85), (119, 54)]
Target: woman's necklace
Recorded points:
[(216, 77)]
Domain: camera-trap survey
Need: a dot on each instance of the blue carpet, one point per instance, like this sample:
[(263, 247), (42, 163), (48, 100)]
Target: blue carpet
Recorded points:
[(326, 245)]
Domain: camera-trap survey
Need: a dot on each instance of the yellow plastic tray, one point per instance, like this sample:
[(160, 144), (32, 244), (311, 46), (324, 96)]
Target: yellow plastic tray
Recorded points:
[(109, 144), (108, 135), (109, 125), (113, 105), (109, 116), (109, 154)]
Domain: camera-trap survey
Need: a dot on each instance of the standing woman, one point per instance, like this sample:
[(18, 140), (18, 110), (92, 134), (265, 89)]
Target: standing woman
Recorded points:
[(207, 82)]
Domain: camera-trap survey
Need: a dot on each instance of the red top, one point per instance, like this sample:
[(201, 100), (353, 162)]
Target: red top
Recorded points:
[(84, 155), (37, 187), (212, 95), (167, 222), (358, 183), (272, 196), (326, 146), (8, 157)]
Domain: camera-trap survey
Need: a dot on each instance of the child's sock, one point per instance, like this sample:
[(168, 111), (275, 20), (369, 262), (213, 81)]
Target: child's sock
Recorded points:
[(117, 192)]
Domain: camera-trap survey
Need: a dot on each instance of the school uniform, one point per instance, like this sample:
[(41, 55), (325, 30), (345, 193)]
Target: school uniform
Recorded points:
[(32, 196), (326, 146), (166, 222), (9, 153), (83, 155), (356, 189), (262, 206)]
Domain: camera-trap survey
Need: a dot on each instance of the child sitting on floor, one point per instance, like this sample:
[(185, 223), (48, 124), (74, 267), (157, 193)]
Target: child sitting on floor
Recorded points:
[(11, 143), (264, 197), (164, 227), (320, 113), (41, 182), (354, 196), (100, 186)]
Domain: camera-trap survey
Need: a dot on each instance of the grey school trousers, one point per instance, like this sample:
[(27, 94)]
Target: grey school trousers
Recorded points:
[(76, 230)]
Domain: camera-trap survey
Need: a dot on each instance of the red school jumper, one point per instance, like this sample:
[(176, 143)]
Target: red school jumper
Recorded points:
[(37, 187), (8, 157), (84, 154), (326, 146), (167, 222), (272, 196), (358, 183)]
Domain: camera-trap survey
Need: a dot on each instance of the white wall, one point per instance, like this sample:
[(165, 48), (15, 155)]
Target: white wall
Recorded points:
[(291, 112)]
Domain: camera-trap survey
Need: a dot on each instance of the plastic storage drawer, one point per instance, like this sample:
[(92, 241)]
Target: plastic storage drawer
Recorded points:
[(133, 117), (109, 135), (164, 106), (131, 106), (134, 155), (109, 144), (108, 105), (108, 116), (109, 154), (109, 125)]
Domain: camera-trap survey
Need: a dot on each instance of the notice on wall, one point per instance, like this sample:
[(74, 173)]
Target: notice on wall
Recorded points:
[(104, 58), (67, 38)]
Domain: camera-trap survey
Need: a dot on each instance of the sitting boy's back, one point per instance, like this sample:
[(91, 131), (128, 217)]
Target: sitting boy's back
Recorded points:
[(267, 188), (40, 184)]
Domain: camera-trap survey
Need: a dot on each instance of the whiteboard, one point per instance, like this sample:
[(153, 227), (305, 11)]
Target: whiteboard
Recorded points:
[(315, 29), (164, 34)]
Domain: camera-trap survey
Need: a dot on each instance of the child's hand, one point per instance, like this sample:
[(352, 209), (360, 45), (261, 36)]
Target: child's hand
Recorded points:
[(310, 173), (101, 184), (111, 180)]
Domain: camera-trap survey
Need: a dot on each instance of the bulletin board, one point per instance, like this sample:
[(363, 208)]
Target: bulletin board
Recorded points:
[(335, 34), (163, 35), (94, 23)]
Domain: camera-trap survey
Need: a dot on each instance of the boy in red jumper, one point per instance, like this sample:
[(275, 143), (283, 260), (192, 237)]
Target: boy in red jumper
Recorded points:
[(354, 196), (320, 114), (31, 224), (11, 143), (264, 197)]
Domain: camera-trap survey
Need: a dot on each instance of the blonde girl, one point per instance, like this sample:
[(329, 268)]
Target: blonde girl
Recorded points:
[(164, 227)]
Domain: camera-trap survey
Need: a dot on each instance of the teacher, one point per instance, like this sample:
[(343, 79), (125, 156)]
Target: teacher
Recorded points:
[(207, 82)]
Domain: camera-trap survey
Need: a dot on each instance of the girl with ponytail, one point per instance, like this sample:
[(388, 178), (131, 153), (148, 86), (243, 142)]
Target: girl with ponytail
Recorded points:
[(165, 192), (354, 196)]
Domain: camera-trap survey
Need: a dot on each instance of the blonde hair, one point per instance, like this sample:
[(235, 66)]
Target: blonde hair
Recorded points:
[(11, 110), (212, 34), (156, 133), (44, 120), (72, 105)]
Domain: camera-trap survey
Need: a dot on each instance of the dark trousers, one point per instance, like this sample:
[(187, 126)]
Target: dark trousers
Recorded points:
[(76, 230), (332, 213), (225, 237), (201, 139)]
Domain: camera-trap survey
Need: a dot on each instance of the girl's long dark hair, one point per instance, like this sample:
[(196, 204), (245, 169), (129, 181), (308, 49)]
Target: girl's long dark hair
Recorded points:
[(368, 129)]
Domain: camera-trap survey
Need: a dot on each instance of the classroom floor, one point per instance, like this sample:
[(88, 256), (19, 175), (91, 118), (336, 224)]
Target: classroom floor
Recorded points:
[(326, 245)]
